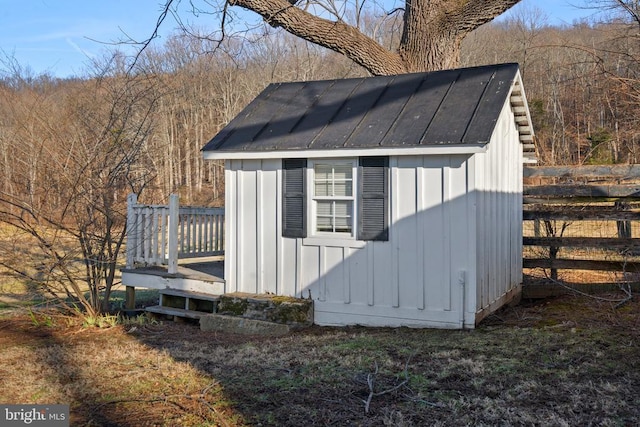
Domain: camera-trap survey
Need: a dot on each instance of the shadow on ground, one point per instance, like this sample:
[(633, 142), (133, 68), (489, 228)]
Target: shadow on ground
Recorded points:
[(564, 361)]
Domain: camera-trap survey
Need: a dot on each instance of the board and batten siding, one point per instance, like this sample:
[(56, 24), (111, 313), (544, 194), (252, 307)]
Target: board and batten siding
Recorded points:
[(416, 278), (498, 179)]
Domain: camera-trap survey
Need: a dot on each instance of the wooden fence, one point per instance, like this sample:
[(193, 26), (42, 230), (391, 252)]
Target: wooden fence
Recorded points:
[(162, 234), (582, 218)]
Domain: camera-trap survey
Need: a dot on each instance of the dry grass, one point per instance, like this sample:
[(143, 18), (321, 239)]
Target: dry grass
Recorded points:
[(107, 376), (568, 361)]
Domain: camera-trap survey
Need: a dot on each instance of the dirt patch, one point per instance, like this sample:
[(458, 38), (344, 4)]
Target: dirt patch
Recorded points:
[(563, 361)]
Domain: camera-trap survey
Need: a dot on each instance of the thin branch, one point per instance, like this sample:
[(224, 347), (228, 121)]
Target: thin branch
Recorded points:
[(371, 377), (145, 43)]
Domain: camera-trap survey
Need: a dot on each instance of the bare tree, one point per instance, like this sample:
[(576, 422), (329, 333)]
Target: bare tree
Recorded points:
[(76, 150)]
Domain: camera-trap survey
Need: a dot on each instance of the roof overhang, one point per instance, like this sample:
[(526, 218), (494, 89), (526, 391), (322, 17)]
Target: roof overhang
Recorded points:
[(348, 152), (522, 115)]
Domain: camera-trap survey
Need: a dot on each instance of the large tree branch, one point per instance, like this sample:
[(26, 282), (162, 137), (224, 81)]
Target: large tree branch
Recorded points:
[(337, 36), (470, 14)]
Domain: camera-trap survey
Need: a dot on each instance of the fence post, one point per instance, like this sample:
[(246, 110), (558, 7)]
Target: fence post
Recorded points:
[(174, 218), (131, 231), (624, 227)]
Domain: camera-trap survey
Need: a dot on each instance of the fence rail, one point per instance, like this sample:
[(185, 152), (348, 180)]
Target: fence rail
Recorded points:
[(162, 234), (582, 218)]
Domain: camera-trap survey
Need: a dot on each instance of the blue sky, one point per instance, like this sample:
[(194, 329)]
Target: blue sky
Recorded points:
[(60, 37)]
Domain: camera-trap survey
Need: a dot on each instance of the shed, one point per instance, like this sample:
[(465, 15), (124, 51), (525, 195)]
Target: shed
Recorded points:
[(390, 201)]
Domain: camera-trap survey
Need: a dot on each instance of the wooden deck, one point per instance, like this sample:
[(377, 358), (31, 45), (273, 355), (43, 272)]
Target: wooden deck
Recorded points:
[(197, 270), (205, 276)]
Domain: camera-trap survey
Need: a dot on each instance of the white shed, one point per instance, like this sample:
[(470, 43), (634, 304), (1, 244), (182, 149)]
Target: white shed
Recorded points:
[(390, 201)]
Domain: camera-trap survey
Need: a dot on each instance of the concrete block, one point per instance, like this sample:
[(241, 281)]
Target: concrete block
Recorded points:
[(241, 325)]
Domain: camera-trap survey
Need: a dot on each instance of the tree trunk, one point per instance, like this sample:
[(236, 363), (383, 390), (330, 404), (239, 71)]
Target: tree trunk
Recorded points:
[(434, 29)]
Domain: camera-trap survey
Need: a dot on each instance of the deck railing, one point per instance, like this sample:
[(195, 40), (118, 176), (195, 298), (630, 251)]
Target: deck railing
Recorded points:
[(161, 234)]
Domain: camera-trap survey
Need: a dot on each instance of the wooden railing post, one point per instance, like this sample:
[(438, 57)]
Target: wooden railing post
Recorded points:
[(174, 219), (132, 233)]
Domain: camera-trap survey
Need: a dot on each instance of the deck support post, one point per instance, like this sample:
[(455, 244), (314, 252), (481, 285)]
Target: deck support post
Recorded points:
[(130, 298), (174, 212)]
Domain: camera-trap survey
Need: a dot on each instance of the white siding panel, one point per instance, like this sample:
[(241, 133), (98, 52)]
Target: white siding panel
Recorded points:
[(346, 279), (498, 229), (481, 225), (393, 297), (420, 233), (472, 238), (348, 314), (494, 179), (311, 276), (288, 265), (435, 260), (278, 226), (247, 226), (384, 280), (334, 272), (268, 229), (405, 238), (260, 232), (358, 280), (458, 215), (369, 270), (230, 217), (499, 213)]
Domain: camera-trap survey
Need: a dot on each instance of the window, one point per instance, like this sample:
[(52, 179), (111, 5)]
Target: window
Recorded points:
[(333, 197), (343, 198)]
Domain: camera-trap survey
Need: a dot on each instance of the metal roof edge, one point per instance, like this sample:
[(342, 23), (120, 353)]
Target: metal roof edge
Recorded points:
[(442, 149)]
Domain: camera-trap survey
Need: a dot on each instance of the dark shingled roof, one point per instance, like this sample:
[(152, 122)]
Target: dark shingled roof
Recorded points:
[(443, 107)]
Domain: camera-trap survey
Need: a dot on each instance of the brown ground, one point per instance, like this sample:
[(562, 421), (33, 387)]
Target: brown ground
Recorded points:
[(565, 361)]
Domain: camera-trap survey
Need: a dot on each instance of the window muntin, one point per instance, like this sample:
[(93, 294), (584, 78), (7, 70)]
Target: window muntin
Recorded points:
[(333, 199)]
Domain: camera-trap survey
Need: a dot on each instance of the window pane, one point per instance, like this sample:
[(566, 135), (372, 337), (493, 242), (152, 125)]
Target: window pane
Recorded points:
[(343, 172), (323, 188), (324, 208), (342, 216), (342, 208), (342, 225), (343, 180), (322, 172), (324, 216), (342, 188)]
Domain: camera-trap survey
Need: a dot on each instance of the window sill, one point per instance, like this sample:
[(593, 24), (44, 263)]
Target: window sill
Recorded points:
[(339, 242)]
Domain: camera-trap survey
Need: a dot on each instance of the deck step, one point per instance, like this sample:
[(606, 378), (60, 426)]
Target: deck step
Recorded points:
[(189, 304), (189, 294), (178, 312)]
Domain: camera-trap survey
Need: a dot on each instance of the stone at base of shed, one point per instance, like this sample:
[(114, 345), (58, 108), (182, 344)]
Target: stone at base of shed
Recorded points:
[(262, 314), (295, 312)]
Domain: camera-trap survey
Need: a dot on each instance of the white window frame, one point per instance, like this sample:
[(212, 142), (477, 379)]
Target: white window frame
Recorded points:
[(315, 236)]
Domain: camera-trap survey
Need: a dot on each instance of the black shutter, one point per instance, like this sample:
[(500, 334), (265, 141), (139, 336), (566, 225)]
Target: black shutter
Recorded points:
[(373, 198), (294, 202)]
